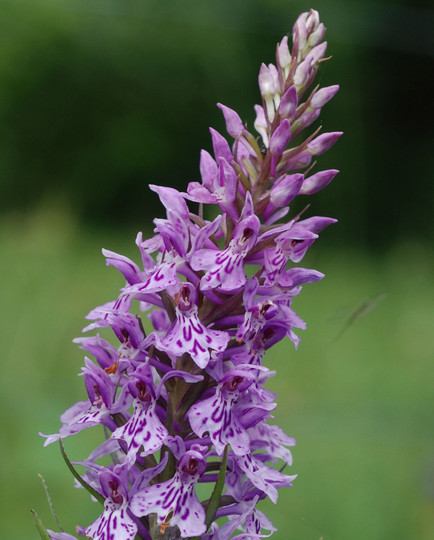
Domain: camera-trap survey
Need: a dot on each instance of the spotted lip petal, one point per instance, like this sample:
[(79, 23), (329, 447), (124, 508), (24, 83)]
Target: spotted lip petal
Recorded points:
[(225, 269), (217, 415), (176, 497), (263, 477), (115, 522), (143, 429), (189, 335)]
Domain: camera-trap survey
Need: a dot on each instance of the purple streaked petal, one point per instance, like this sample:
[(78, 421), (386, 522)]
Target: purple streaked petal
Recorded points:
[(144, 428), (164, 276), (203, 236), (176, 497), (105, 354), (273, 440), (189, 335), (114, 523), (298, 276)]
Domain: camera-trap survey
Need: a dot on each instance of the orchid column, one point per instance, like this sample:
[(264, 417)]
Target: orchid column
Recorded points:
[(186, 403)]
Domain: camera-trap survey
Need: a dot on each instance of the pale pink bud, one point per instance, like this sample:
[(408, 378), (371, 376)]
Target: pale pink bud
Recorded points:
[(303, 71), (318, 52), (299, 161), (315, 30), (316, 224), (317, 181), (323, 142), (267, 82), (307, 33), (305, 120), (269, 87), (323, 95), (261, 124), (299, 33), (284, 57), (312, 21), (283, 53)]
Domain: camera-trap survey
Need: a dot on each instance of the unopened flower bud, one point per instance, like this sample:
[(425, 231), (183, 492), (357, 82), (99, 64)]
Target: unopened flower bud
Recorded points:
[(323, 142), (261, 124), (302, 73), (299, 33), (280, 138), (286, 189), (312, 21), (269, 87), (323, 95), (316, 29), (317, 181), (308, 32), (284, 57), (305, 120), (288, 103)]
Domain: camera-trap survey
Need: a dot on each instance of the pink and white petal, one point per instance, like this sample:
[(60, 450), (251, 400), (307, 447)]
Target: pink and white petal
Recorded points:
[(189, 515), (113, 524)]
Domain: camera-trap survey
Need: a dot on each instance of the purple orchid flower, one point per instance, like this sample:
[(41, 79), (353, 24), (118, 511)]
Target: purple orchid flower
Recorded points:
[(115, 522), (225, 269), (217, 415), (175, 501), (188, 334), (144, 429), (185, 402)]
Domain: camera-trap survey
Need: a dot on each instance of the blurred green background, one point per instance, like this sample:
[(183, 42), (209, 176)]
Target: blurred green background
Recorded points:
[(98, 99)]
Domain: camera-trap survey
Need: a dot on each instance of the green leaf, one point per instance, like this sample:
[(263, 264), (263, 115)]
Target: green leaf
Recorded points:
[(40, 526), (86, 486), (214, 500)]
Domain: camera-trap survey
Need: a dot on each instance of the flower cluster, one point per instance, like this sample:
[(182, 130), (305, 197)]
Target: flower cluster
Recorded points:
[(185, 403)]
